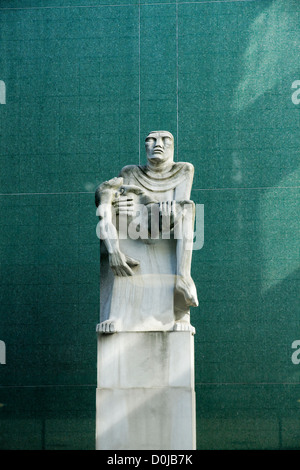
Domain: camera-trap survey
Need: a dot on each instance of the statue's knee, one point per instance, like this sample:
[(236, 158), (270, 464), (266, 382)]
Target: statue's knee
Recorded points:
[(187, 203), (187, 209)]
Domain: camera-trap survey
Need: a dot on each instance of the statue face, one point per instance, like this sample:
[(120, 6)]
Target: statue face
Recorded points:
[(159, 146)]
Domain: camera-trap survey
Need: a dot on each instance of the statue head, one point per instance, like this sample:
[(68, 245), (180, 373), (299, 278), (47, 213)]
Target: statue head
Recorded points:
[(159, 147)]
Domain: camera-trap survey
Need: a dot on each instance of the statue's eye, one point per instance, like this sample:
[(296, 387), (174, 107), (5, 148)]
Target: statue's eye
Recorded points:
[(167, 140), (150, 140)]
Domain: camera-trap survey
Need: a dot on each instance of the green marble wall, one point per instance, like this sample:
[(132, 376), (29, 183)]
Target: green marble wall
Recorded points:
[(84, 83)]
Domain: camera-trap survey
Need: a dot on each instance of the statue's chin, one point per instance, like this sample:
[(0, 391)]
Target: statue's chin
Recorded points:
[(159, 160), (157, 157)]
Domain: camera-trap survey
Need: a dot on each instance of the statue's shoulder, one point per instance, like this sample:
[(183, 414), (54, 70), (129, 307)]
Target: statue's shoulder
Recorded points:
[(127, 170), (184, 166)]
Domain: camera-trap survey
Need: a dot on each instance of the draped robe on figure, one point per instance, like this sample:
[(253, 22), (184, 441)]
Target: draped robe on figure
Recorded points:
[(126, 300)]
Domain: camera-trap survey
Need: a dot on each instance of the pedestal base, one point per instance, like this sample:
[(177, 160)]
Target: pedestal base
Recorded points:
[(145, 395)]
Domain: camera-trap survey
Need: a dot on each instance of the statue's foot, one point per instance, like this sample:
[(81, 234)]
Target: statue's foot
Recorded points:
[(184, 326), (107, 326), (186, 286)]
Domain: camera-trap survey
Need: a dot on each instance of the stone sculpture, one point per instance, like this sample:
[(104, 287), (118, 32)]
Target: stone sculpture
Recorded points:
[(146, 229)]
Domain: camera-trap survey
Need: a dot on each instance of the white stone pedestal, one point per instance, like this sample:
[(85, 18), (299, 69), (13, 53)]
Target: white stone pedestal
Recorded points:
[(145, 395)]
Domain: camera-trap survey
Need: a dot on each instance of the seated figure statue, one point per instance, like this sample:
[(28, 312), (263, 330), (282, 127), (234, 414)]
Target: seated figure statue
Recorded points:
[(146, 229)]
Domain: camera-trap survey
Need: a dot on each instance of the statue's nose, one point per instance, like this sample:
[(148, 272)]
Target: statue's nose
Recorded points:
[(159, 142)]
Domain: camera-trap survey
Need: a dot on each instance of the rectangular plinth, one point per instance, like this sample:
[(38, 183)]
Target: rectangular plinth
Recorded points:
[(145, 394)]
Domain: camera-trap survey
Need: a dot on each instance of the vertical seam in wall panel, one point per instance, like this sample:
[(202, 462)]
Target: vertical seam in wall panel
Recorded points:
[(177, 82), (139, 82)]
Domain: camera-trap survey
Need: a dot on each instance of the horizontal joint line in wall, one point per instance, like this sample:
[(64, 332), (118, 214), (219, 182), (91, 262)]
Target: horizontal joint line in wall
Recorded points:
[(126, 5), (196, 189)]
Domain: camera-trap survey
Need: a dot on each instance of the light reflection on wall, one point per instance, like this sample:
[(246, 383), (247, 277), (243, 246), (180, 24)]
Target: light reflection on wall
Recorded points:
[(271, 53), (280, 231), (269, 57)]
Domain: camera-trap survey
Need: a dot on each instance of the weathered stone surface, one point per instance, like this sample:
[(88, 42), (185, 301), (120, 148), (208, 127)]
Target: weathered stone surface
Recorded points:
[(145, 395), (146, 230)]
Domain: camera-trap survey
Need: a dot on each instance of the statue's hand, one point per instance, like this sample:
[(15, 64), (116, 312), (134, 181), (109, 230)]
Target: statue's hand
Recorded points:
[(124, 206), (168, 210), (129, 200), (131, 188), (121, 264)]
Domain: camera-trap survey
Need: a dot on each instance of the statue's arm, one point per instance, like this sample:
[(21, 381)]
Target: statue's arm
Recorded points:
[(119, 262), (108, 232), (172, 210), (183, 190)]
